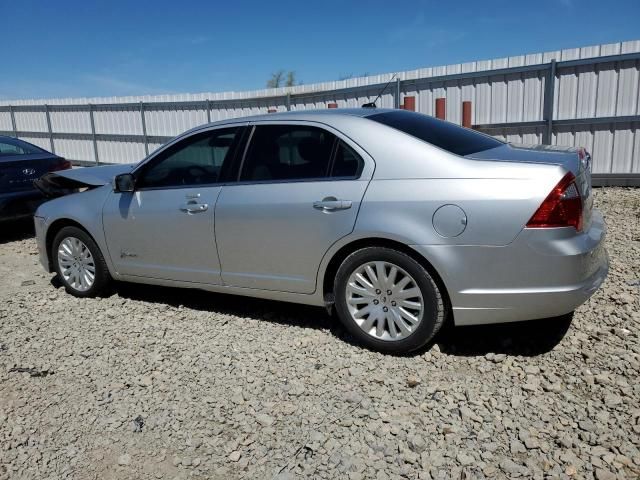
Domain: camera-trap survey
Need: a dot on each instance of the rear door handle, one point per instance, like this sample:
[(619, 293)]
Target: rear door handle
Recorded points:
[(331, 204), (194, 207)]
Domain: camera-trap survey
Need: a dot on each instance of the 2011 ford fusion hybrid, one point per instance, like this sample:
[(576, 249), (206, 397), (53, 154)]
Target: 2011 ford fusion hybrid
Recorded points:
[(396, 219)]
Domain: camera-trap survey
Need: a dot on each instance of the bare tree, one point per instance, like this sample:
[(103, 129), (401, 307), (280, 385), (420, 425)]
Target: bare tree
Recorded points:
[(291, 79), (282, 79), (276, 79)]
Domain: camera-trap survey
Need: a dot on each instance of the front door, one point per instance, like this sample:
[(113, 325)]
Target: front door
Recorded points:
[(299, 191), (165, 228)]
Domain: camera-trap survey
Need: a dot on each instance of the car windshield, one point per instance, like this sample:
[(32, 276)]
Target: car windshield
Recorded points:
[(448, 136), (13, 146)]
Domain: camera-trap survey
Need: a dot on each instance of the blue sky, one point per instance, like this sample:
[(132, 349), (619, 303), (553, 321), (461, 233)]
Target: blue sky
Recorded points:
[(103, 48)]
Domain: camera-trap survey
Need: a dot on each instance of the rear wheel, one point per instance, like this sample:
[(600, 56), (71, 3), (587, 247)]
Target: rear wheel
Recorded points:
[(79, 263), (387, 300)]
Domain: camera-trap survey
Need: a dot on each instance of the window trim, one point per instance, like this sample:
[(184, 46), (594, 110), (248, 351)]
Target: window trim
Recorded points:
[(326, 178), (245, 150)]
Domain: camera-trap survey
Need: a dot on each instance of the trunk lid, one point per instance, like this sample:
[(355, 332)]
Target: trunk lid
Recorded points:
[(575, 160), (18, 172)]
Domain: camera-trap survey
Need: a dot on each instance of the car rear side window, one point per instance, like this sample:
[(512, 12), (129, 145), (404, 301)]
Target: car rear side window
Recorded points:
[(287, 152), (448, 136), (347, 163), (197, 160)]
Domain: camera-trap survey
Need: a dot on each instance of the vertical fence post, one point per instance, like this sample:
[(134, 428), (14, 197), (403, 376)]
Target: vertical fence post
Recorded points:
[(93, 135), (13, 121), (396, 96), (46, 112), (466, 114), (208, 111), (549, 88), (441, 108), (144, 129), (287, 101)]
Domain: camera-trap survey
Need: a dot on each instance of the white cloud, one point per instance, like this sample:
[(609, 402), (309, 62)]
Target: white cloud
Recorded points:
[(116, 86), (418, 30)]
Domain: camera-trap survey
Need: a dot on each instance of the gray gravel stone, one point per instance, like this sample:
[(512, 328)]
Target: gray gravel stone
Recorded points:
[(235, 388)]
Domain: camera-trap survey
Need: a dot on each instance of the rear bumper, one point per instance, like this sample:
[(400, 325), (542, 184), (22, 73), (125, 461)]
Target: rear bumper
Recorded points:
[(543, 273), (14, 205)]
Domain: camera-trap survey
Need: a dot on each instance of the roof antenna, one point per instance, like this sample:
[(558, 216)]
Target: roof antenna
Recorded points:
[(373, 104)]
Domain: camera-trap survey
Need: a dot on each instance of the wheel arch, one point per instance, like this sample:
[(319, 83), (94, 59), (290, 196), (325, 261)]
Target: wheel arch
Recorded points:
[(53, 230), (338, 257)]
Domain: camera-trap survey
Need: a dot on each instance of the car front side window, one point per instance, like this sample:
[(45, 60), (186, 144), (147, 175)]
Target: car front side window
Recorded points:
[(197, 160)]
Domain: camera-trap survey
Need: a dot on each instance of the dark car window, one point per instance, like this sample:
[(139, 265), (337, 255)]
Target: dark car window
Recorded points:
[(287, 152), (197, 160), (450, 137), (347, 162), (17, 147)]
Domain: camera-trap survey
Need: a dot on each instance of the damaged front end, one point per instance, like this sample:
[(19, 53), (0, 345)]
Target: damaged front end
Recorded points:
[(65, 182), (52, 185)]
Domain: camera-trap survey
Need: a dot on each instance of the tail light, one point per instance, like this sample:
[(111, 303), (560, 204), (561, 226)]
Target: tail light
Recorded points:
[(561, 208), (62, 164)]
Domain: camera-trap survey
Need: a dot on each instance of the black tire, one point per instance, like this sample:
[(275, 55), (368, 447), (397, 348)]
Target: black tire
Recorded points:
[(102, 278), (434, 308)]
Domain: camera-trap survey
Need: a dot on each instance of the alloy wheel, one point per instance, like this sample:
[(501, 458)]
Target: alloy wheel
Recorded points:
[(76, 263), (384, 300)]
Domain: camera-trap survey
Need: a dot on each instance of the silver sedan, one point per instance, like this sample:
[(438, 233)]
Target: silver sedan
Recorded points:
[(396, 220)]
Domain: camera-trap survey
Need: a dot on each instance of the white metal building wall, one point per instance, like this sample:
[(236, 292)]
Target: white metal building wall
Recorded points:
[(593, 91)]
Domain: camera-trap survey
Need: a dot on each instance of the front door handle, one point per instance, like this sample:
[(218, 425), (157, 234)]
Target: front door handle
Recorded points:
[(331, 204), (194, 207)]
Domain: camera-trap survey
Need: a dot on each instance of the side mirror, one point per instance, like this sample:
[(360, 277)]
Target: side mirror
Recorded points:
[(125, 182)]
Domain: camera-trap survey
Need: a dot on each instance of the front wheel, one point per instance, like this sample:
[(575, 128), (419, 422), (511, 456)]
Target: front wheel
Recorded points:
[(387, 300), (79, 263)]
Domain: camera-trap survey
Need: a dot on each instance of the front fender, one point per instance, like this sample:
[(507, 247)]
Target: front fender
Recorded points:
[(84, 208)]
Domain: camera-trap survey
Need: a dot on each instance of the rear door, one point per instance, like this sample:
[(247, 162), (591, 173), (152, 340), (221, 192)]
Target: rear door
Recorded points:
[(164, 229), (299, 191)]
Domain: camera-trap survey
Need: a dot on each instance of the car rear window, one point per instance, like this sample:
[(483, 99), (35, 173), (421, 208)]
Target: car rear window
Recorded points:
[(448, 136)]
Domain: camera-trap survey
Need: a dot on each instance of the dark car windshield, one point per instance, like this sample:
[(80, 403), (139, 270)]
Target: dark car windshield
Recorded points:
[(14, 146), (448, 136)]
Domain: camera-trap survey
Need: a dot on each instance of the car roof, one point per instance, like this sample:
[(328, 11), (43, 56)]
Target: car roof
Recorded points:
[(356, 112), (308, 115), (17, 141)]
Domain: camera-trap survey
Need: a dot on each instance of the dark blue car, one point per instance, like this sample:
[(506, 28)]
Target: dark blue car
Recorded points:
[(20, 164)]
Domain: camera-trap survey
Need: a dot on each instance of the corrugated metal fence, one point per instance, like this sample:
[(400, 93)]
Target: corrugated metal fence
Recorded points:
[(577, 97)]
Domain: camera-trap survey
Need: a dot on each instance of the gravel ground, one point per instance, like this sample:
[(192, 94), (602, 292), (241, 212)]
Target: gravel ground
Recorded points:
[(166, 383)]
